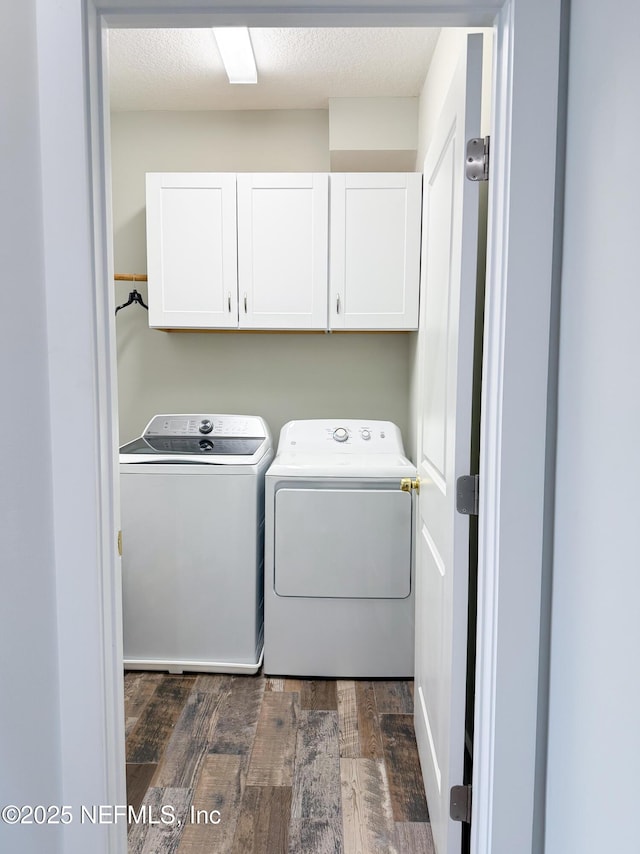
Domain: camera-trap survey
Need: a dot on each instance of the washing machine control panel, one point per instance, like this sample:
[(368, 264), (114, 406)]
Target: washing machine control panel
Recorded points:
[(236, 426)]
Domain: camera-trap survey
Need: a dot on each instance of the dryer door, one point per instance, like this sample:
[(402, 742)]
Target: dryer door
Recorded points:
[(343, 542)]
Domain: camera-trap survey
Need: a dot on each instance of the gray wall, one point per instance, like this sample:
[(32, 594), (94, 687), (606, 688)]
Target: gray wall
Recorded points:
[(594, 737), (278, 376), (29, 730)]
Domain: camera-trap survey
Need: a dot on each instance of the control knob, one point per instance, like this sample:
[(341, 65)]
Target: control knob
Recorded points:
[(206, 426), (366, 435), (341, 434)]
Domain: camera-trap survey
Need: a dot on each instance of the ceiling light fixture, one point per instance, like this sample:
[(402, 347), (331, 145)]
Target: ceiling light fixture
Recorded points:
[(235, 49)]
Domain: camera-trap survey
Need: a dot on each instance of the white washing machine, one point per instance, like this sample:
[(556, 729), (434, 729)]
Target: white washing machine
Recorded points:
[(338, 552), (192, 506)]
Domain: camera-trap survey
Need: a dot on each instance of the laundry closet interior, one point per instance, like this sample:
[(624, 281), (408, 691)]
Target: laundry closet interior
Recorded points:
[(288, 760)]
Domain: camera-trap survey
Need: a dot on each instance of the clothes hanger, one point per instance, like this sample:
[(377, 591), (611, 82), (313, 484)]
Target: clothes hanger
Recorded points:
[(134, 296)]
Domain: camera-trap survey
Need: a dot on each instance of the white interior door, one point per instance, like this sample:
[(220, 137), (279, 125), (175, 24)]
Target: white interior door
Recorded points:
[(448, 304)]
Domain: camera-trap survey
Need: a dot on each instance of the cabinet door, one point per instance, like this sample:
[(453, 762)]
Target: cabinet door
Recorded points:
[(191, 250), (375, 250), (282, 250)]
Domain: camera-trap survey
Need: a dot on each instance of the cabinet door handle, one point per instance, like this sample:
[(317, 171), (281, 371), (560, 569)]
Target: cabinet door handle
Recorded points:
[(338, 304), (229, 301), (245, 303)]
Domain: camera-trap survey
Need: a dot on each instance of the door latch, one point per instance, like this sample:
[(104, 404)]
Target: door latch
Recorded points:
[(468, 495), (460, 803), (407, 484)]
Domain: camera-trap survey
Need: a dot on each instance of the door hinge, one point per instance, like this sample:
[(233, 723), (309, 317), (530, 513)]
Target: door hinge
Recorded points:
[(460, 803), (477, 160), (468, 494), (407, 484), (120, 543)]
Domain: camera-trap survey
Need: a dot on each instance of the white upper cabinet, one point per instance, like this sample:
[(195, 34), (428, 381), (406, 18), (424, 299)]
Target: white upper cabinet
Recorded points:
[(374, 270), (191, 250), (282, 250)]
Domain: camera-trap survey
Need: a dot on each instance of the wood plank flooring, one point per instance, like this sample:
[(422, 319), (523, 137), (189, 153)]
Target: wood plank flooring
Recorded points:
[(255, 765)]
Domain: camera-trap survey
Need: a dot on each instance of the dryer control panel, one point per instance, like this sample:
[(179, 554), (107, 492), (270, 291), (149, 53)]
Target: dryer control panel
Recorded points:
[(348, 436)]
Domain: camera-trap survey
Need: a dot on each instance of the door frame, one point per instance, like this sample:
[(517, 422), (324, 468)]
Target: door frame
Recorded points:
[(517, 416)]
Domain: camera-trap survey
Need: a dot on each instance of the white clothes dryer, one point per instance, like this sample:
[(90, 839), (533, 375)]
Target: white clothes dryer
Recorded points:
[(338, 552), (192, 507)]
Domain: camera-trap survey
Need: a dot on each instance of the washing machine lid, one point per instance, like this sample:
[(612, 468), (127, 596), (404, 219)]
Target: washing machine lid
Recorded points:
[(200, 439)]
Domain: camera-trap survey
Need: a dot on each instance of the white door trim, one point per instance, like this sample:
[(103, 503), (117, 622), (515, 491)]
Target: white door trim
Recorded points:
[(513, 492), (82, 380)]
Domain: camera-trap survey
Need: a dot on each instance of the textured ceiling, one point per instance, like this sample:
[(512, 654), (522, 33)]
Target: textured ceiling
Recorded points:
[(297, 68)]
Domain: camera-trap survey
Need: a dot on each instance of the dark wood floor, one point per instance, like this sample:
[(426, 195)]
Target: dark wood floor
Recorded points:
[(252, 765)]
